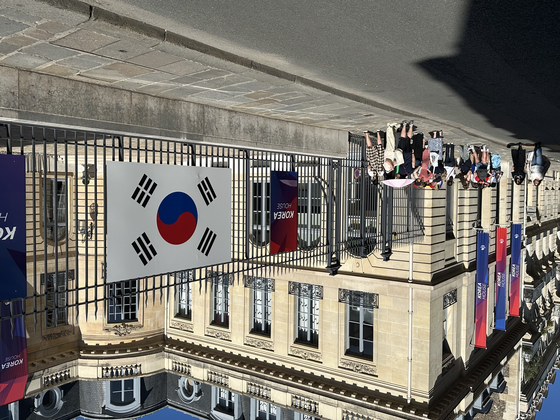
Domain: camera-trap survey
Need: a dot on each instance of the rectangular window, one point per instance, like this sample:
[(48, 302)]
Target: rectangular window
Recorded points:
[(220, 300), (55, 205), (307, 311), (309, 214), (122, 301), (266, 411), (262, 302), (226, 401), (308, 320), (359, 321), (261, 213), (360, 331), (56, 296), (184, 293)]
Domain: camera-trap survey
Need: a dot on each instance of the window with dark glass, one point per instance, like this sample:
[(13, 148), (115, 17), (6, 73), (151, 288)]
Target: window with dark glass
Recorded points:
[(55, 207), (220, 300), (122, 299)]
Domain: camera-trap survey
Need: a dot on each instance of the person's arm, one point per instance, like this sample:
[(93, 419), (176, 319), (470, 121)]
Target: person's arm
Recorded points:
[(546, 165)]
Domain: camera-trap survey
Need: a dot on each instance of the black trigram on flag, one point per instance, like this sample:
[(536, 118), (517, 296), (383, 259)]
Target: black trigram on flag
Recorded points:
[(144, 190), (205, 244), (207, 191), (144, 248)]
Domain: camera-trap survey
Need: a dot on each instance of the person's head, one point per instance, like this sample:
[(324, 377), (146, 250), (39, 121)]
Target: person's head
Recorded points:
[(398, 176), (450, 181), (537, 182), (518, 180), (466, 184), (493, 184)]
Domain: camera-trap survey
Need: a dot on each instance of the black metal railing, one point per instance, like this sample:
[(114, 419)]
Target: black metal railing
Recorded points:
[(340, 212)]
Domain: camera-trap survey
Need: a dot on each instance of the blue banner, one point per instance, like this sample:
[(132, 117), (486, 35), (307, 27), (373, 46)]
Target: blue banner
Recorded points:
[(12, 227), (481, 308), (13, 345)]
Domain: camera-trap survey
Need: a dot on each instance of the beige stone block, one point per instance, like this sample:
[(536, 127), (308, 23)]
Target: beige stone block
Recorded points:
[(398, 317), (420, 333)]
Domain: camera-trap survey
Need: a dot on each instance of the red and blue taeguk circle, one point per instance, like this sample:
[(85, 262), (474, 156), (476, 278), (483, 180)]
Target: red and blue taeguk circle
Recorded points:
[(176, 218)]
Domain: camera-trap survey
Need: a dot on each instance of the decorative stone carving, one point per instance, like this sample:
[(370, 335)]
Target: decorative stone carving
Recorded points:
[(305, 290), (217, 277), (56, 378), (182, 326), (260, 283), (222, 335), (357, 298), (121, 371), (260, 344), (54, 336), (358, 367), (449, 299), (123, 329), (258, 390), (306, 354), (182, 368)]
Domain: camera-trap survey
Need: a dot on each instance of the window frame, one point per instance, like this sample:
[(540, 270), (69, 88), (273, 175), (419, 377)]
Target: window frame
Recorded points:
[(50, 210), (183, 294), (132, 297), (123, 407), (260, 212), (309, 208), (361, 325), (220, 305), (306, 322), (56, 300)]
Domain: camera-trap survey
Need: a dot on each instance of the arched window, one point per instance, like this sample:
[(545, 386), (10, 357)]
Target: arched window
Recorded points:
[(123, 395), (48, 402)]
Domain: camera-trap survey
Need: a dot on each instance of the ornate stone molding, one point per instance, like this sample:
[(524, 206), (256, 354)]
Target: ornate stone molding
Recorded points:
[(357, 298), (358, 367), (305, 290), (123, 329), (183, 326), (306, 354), (449, 298), (260, 344), (54, 336), (56, 378), (261, 283), (222, 335), (218, 277), (182, 368)]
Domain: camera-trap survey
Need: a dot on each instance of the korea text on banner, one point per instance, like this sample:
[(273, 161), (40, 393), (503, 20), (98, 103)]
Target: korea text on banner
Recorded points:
[(501, 286), (515, 270), (13, 353), (166, 218), (13, 347), (12, 227), (481, 307), (283, 211)]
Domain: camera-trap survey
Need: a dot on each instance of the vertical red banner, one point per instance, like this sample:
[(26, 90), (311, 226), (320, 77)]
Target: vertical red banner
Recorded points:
[(501, 279), (481, 308), (283, 211), (515, 271)]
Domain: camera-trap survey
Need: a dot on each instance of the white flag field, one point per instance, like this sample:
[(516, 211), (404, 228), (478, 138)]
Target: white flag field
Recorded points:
[(165, 218)]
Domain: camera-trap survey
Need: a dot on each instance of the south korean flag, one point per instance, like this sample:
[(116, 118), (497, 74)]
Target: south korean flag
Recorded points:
[(165, 218)]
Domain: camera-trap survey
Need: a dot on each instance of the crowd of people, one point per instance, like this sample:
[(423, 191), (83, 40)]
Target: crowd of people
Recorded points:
[(432, 163)]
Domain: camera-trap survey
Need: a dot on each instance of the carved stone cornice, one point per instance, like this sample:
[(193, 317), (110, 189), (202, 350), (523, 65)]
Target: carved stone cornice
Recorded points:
[(449, 298), (260, 283), (123, 329), (306, 354), (313, 291), (54, 336), (260, 344), (358, 367), (183, 326), (222, 335), (358, 298)]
